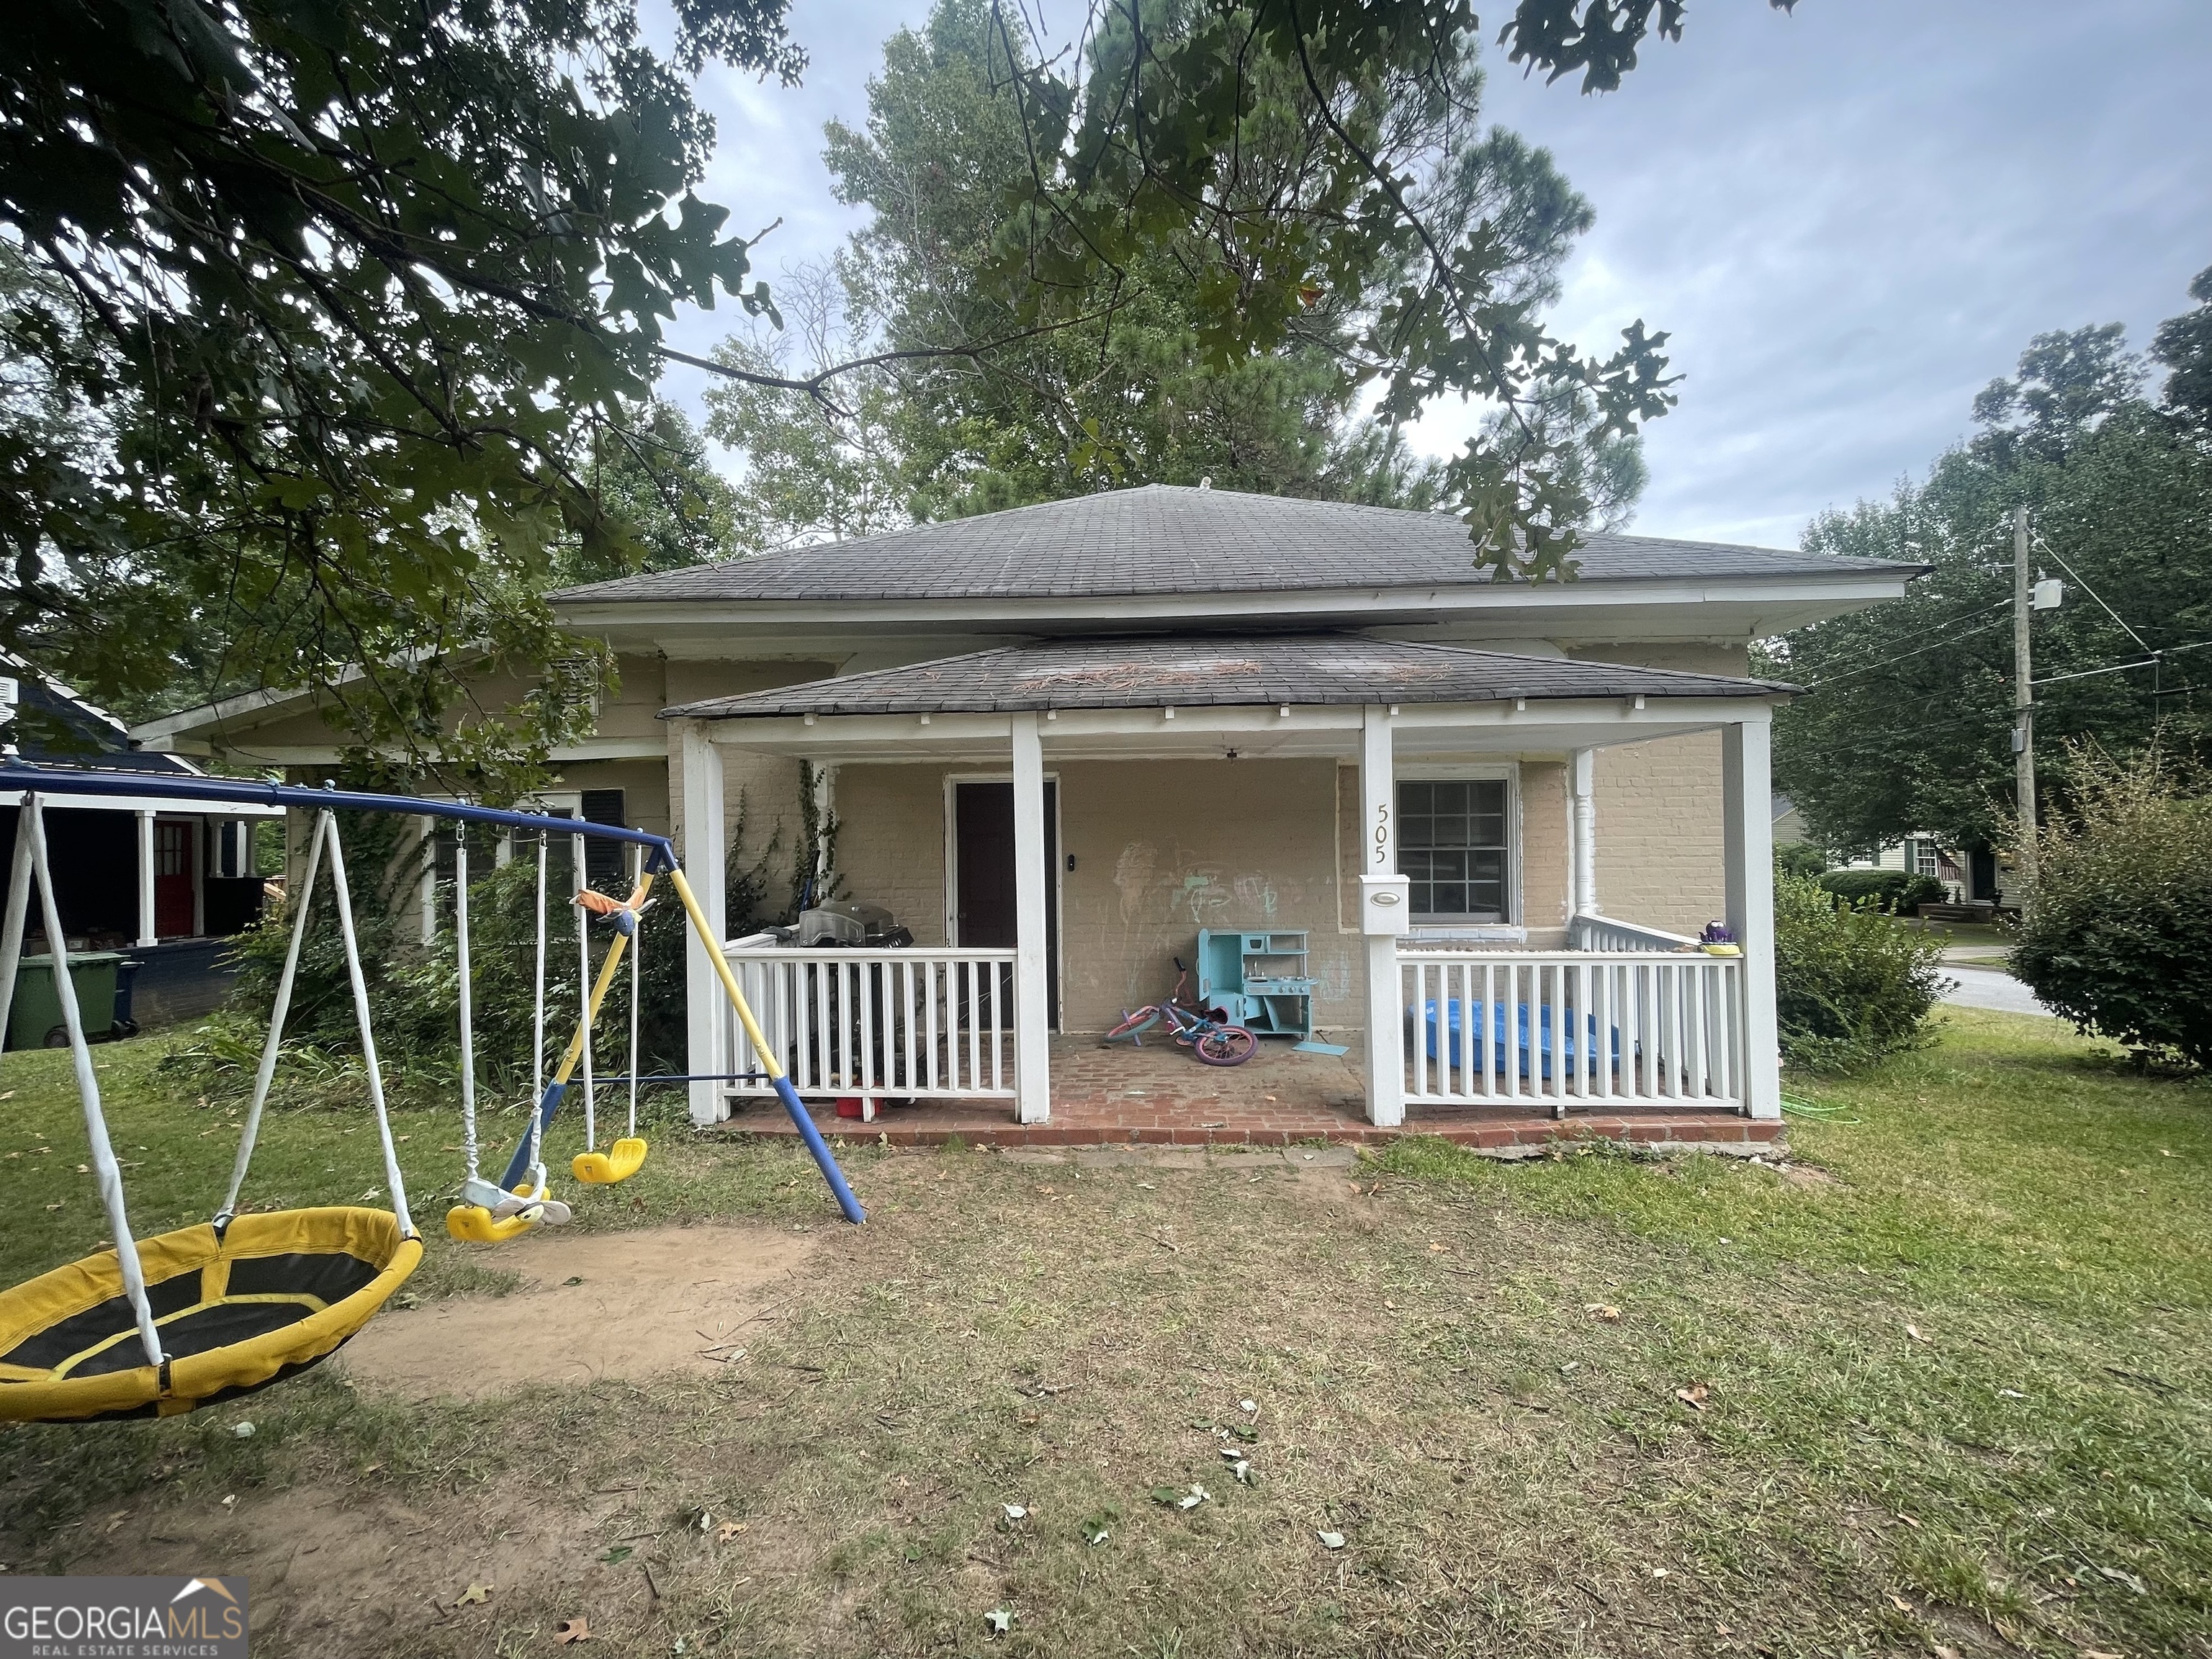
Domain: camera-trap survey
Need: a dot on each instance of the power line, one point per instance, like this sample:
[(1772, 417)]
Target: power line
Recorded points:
[(2139, 640), (1936, 645), (2151, 661)]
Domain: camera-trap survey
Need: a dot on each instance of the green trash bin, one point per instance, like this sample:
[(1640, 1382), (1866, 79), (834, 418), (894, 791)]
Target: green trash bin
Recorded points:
[(35, 1019)]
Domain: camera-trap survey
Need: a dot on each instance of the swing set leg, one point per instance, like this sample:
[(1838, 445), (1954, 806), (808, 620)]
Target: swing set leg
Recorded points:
[(818, 1147)]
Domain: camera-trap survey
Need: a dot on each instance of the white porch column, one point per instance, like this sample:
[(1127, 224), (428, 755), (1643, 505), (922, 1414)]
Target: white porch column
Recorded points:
[(1749, 833), (1582, 779), (146, 878), (1032, 1018), (1378, 842), (706, 1012)]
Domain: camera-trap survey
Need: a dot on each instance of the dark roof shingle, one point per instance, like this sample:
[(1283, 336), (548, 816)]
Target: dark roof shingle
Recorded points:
[(1163, 539), (1165, 673)]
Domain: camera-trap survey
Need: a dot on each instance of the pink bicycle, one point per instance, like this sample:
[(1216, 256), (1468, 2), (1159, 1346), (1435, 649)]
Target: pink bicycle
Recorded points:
[(1214, 1041)]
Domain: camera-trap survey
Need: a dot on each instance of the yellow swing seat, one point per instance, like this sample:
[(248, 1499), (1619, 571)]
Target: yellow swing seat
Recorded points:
[(472, 1224), (271, 1297), (618, 1163)]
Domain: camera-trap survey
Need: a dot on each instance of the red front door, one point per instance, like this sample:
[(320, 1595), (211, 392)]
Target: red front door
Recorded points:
[(174, 844)]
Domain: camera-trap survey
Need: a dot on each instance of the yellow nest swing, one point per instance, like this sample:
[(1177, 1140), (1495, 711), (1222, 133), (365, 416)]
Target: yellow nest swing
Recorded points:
[(158, 1327)]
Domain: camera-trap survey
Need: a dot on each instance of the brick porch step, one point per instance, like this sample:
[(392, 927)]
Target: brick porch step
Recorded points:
[(1502, 1131)]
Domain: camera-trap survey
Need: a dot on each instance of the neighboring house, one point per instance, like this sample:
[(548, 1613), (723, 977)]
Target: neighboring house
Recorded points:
[(1057, 742), (156, 878), (1789, 824), (1967, 877)]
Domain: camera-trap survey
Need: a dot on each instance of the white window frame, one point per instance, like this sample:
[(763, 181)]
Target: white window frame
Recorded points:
[(1511, 927)]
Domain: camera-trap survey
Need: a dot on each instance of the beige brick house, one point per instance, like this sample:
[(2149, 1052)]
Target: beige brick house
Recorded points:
[(1057, 742)]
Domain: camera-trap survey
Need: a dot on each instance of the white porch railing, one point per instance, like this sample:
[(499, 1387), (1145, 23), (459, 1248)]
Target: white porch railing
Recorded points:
[(1618, 1028), (906, 1024), (1589, 933)]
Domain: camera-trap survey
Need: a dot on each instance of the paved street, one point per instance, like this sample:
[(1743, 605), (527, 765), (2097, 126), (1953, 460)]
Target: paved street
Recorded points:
[(1989, 988)]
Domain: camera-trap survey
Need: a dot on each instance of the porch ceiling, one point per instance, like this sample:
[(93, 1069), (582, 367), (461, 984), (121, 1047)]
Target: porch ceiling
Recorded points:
[(1294, 696)]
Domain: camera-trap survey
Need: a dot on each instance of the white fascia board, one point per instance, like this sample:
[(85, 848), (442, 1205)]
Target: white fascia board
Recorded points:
[(591, 749), (209, 718), (1255, 732), (1547, 607)]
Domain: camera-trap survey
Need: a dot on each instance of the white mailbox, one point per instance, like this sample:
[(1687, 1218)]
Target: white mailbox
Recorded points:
[(1386, 904)]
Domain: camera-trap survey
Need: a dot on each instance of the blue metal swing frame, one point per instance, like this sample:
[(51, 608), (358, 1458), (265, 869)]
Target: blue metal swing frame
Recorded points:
[(659, 858)]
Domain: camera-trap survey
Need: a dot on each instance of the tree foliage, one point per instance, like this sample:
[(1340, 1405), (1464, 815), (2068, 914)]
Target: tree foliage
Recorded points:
[(1133, 384), (351, 294), (319, 318), (1906, 730)]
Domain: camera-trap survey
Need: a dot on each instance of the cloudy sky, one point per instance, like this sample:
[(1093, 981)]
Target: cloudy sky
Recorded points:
[(1849, 218)]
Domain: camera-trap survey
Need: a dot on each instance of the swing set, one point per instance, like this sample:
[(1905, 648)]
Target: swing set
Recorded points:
[(162, 1326)]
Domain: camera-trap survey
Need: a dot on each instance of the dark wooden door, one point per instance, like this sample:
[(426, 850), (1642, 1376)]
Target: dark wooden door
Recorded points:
[(983, 865), (174, 853)]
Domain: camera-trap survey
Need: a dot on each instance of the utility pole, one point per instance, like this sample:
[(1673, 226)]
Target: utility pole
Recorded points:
[(2023, 718)]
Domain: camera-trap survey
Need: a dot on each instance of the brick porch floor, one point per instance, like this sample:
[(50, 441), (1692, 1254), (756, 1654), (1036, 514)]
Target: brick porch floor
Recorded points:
[(1158, 1095)]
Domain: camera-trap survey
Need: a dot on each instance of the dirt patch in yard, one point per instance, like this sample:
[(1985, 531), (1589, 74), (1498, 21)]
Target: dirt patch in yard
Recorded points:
[(593, 1305)]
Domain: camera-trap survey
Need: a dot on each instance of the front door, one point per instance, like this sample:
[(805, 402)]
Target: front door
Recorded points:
[(983, 873), (172, 877)]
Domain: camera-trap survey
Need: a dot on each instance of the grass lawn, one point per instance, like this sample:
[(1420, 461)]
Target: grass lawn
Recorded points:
[(1942, 1384)]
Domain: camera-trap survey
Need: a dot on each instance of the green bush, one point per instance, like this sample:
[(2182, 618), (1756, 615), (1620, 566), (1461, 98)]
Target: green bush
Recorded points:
[(1799, 858), (1890, 890), (1850, 985), (2116, 932)]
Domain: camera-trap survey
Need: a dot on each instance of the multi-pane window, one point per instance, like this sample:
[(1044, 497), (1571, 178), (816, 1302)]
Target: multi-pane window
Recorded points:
[(1452, 844)]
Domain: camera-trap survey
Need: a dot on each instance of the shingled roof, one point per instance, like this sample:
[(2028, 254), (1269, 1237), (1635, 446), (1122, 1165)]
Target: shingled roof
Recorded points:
[(1168, 673), (1166, 539)]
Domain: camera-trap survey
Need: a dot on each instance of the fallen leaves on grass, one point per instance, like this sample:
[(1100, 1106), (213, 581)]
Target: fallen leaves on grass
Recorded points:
[(1000, 1621), (728, 1530), (1913, 1331), (475, 1596), (569, 1632), (616, 1556), (1694, 1396), (1098, 1528), (1602, 1310), (1331, 1540)]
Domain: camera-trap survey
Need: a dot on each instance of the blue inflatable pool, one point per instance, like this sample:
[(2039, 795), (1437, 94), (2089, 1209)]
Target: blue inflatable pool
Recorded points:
[(1532, 1063)]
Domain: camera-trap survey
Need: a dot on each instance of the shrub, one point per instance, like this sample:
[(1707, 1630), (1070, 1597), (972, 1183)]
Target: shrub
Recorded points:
[(1850, 985), (1801, 859), (1890, 890), (2115, 934)]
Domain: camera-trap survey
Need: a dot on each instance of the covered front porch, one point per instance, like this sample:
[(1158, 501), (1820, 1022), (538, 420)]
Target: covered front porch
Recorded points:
[(1276, 770)]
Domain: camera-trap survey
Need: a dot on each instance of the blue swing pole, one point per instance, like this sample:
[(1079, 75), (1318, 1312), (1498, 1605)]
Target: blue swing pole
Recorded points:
[(799, 1117)]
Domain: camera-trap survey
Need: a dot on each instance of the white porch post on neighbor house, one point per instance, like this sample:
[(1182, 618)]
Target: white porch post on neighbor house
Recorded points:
[(146, 878), (1032, 1017), (705, 1010), (1378, 874), (1749, 840), (1582, 781)]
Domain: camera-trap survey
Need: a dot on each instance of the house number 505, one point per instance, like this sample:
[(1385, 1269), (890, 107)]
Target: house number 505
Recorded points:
[(1382, 834)]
